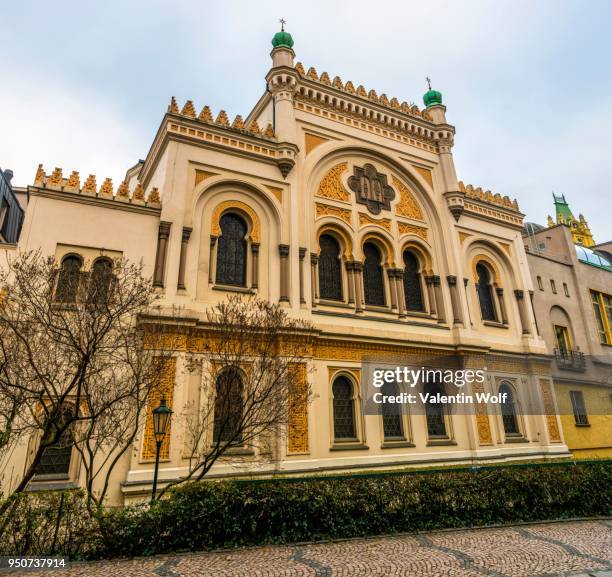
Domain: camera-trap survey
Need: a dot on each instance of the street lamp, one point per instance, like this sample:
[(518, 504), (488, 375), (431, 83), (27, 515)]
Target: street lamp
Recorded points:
[(161, 420)]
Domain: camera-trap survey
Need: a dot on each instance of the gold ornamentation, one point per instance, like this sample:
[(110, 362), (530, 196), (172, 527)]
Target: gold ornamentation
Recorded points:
[(361, 91), (74, 182), (463, 236), (138, 193), (165, 388), (549, 409), (325, 79), (238, 123), (300, 68), (254, 128), (297, 428), (365, 220), (39, 179), (188, 109), (312, 141), (407, 206), (405, 228), (201, 175), (277, 192), (206, 115), (337, 83), (383, 99), (312, 73), (107, 188), (123, 191), (482, 418), (55, 180), (488, 197), (269, 132), (426, 174), (349, 87), (173, 107), (328, 210), (222, 118), (241, 206), (394, 103), (90, 186), (331, 184), (154, 196)]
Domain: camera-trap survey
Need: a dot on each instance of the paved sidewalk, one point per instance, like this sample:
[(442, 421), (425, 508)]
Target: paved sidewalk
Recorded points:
[(577, 548)]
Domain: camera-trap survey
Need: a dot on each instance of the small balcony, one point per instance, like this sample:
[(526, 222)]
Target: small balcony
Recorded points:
[(570, 359)]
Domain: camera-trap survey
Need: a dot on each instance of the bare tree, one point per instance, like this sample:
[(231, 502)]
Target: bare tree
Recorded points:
[(252, 379), (76, 365)]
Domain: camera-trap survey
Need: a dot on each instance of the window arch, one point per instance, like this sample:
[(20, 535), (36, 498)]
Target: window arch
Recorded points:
[(100, 282), (56, 457), (330, 271), (413, 291), (373, 278), (391, 414), (232, 251), (229, 407), (508, 409), (434, 413), (485, 292), (344, 409), (69, 279)]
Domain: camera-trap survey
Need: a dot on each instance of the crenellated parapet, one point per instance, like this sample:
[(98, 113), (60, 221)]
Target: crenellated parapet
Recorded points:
[(488, 197), (222, 120), (361, 92), (71, 185)]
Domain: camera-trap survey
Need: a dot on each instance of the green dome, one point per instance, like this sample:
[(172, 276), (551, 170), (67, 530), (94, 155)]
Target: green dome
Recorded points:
[(282, 38), (432, 97)]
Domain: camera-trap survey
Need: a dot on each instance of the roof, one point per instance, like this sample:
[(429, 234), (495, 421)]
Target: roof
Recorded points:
[(588, 256)]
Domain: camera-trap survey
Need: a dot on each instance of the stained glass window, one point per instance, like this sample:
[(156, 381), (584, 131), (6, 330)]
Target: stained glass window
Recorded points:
[(412, 283), (373, 280), (330, 273), (391, 414), (344, 410)]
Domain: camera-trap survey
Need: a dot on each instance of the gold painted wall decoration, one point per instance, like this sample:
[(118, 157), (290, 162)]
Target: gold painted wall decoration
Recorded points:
[(426, 174), (241, 206), (312, 141), (405, 228), (329, 210), (549, 410), (202, 175), (407, 206), (365, 220), (331, 184), (297, 441), (276, 191)]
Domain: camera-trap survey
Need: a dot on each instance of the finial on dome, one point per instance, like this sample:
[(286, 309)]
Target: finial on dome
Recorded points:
[(282, 38), (431, 97)]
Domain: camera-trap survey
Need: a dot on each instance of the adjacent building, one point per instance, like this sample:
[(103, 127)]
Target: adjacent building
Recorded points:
[(573, 303)]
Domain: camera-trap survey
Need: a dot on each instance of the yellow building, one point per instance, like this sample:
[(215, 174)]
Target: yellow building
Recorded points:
[(343, 205)]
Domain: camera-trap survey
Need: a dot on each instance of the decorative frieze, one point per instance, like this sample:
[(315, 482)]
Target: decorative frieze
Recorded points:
[(322, 210), (407, 205), (331, 185)]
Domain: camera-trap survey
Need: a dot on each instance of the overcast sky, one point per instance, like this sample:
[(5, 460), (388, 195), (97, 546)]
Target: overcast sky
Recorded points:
[(528, 84)]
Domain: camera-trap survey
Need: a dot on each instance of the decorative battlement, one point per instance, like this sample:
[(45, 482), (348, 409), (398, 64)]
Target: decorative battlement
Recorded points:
[(488, 197), (361, 92), (72, 185), (253, 129)]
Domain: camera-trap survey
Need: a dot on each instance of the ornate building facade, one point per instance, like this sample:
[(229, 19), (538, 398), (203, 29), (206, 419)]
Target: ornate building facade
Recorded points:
[(344, 206)]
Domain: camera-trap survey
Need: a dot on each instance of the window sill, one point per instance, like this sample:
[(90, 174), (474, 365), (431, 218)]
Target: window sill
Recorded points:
[(495, 324), (440, 442), (338, 304), (48, 485), (339, 446), (582, 424), (234, 289), (516, 440), (238, 452), (397, 445), (379, 309)]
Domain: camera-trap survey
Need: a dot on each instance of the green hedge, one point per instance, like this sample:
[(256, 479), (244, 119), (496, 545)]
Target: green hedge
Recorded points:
[(235, 513)]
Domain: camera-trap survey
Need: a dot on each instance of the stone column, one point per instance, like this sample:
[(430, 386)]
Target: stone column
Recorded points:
[(357, 273), (314, 281), (350, 281), (163, 234), (302, 254), (430, 295), (283, 250), (391, 275), (452, 285), (255, 265), (183, 257), (519, 294), (401, 297), (467, 299), (211, 258), (499, 291), (439, 299)]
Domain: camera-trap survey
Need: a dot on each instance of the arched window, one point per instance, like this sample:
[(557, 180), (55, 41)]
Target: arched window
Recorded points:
[(229, 407), (508, 410), (232, 251), (412, 282), (434, 412), (373, 280), (485, 293), (69, 279), (55, 459), (100, 281), (391, 414), (330, 273), (344, 409)]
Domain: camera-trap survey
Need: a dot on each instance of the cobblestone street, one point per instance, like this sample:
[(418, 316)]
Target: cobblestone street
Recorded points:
[(553, 549)]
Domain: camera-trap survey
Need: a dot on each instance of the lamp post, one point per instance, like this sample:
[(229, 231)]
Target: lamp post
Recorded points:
[(161, 420)]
